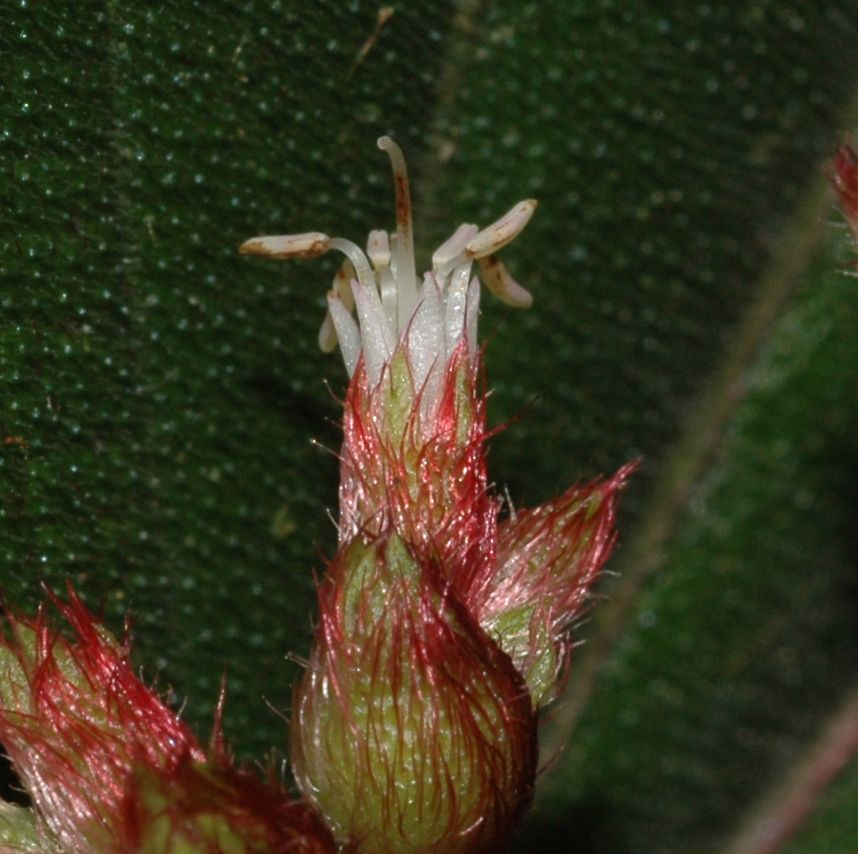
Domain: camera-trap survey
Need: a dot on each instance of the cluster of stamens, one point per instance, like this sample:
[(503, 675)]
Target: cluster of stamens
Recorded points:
[(381, 285)]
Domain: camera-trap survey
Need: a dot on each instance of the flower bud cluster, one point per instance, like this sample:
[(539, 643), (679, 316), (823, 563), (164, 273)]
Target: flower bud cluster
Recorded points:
[(443, 622)]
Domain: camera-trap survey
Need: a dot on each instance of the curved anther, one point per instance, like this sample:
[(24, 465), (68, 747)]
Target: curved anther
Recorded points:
[(308, 245), (378, 249), (498, 280), (502, 231)]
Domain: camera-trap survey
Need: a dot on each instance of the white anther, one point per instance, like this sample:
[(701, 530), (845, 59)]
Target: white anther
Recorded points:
[(309, 245), (327, 334), (341, 286), (382, 286), (502, 231), (499, 281), (378, 249)]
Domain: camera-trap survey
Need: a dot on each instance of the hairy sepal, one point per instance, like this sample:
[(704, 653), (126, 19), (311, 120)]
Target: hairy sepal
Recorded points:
[(216, 807), (413, 462)]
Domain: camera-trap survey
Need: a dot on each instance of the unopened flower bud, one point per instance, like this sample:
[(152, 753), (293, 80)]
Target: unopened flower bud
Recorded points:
[(110, 768), (412, 730)]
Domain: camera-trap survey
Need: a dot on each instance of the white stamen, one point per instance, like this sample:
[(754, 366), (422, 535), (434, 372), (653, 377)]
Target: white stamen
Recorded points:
[(502, 231), (382, 285), (403, 250), (457, 302), (346, 331), (309, 245), (378, 251), (376, 335), (499, 281), (362, 269)]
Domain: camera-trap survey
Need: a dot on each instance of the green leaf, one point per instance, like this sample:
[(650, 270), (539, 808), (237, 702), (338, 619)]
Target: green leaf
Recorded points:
[(159, 393), (732, 655)]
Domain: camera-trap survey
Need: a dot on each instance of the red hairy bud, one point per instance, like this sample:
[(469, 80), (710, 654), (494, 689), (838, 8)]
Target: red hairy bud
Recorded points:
[(412, 730), (110, 768), (75, 718)]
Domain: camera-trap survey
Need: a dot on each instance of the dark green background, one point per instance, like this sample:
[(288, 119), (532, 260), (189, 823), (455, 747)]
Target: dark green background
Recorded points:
[(160, 394)]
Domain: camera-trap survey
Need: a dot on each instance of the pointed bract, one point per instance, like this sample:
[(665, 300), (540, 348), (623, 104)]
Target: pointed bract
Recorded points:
[(548, 558), (74, 718)]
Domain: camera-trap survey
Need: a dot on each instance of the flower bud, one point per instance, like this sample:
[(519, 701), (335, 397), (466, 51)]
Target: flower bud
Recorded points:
[(74, 719), (412, 730), (441, 631), (110, 768)]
